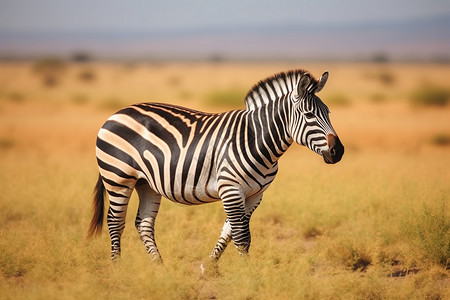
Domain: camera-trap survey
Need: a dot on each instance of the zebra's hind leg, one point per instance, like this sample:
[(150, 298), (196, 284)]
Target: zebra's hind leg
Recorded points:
[(224, 240), (149, 202), (118, 204), (210, 267)]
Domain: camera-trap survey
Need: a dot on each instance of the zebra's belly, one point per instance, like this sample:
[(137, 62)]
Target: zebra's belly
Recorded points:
[(207, 192), (186, 192), (195, 179), (191, 189), (185, 186)]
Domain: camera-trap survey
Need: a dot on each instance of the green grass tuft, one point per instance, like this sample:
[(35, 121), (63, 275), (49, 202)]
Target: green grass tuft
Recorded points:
[(432, 232), (112, 103), (17, 97), (377, 98), (232, 97), (337, 99), (429, 95), (87, 75), (80, 99)]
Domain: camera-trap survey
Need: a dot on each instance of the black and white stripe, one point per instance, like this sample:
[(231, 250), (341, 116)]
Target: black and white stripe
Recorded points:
[(192, 157)]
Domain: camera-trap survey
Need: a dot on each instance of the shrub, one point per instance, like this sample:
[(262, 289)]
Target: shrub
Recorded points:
[(383, 75), (440, 139), (80, 98), (353, 254), (428, 95), (226, 98), (6, 143), (112, 103), (50, 70), (87, 75), (431, 231), (386, 77), (338, 100), (174, 80), (185, 94), (377, 97), (16, 97)]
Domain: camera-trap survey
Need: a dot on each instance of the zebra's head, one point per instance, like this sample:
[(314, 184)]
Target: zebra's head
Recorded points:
[(311, 125)]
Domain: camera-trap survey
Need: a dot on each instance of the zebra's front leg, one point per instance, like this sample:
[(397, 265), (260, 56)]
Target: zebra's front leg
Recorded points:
[(234, 206), (225, 237), (149, 202)]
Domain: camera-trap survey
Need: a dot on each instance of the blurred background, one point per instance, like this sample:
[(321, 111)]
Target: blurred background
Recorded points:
[(249, 30)]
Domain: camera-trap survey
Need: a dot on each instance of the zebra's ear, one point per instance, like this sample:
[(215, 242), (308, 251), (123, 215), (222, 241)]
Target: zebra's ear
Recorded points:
[(322, 80), (303, 83)]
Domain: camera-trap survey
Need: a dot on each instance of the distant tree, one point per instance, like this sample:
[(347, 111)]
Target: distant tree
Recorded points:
[(380, 57), (81, 57), (216, 58)]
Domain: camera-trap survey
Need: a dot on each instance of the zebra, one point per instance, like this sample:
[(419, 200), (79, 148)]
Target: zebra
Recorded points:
[(193, 157)]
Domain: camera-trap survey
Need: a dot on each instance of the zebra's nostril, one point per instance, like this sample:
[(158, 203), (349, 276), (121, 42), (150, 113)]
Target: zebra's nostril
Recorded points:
[(333, 152)]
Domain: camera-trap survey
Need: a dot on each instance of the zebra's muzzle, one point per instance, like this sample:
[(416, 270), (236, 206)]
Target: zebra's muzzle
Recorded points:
[(335, 150)]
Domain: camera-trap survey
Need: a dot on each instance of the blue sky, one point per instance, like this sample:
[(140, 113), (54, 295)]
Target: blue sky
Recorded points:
[(126, 16), (235, 29)]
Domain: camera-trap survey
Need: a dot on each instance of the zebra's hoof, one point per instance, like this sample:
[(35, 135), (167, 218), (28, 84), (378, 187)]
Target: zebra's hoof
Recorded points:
[(209, 269), (115, 257), (157, 260)]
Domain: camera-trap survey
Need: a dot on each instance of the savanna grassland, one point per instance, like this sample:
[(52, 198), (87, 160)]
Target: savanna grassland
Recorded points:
[(374, 226)]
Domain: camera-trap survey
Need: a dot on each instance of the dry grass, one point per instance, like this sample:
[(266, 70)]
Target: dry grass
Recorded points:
[(374, 226)]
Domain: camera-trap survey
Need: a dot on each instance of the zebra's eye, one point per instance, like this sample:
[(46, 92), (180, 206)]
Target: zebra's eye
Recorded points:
[(309, 115)]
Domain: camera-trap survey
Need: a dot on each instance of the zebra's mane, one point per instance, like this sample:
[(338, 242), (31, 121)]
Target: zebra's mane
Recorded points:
[(272, 88)]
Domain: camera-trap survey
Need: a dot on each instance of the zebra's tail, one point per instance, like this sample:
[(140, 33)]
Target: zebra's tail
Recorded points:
[(98, 206)]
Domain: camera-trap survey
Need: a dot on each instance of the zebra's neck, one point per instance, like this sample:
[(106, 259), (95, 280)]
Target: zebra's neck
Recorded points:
[(269, 109), (272, 89), (266, 134)]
